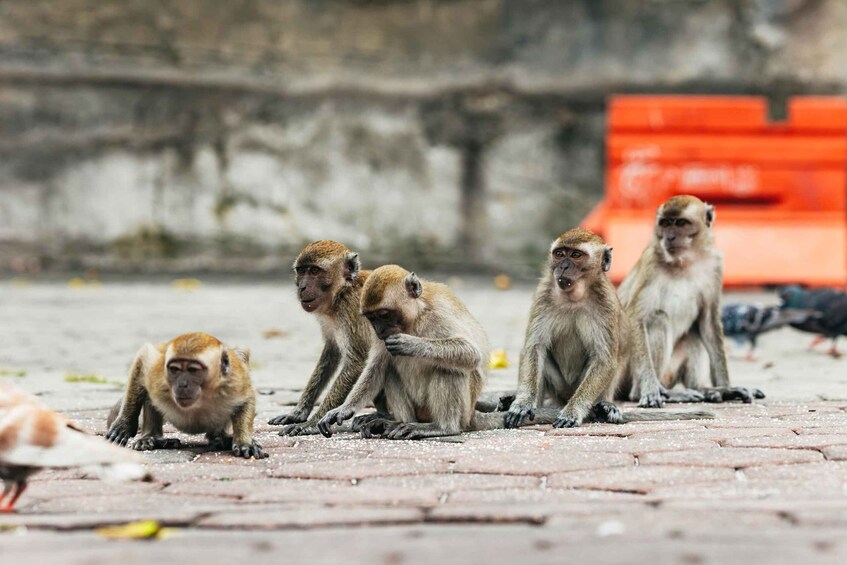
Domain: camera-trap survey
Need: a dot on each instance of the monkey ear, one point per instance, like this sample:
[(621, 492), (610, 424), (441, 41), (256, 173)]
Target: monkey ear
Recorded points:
[(413, 286), (226, 368), (607, 259), (710, 215), (352, 266), (242, 353)]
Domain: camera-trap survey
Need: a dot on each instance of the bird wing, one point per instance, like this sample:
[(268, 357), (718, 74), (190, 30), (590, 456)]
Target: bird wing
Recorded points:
[(34, 436)]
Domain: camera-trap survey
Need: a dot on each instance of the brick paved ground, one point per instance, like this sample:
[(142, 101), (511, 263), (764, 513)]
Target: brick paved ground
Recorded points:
[(760, 483)]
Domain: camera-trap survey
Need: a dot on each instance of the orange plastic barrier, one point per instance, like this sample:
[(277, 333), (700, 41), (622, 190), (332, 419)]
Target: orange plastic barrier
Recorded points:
[(780, 188)]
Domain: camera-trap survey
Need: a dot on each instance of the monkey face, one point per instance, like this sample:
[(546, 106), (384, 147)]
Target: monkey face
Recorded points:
[(676, 234), (568, 265), (385, 322), (314, 286), (186, 378)]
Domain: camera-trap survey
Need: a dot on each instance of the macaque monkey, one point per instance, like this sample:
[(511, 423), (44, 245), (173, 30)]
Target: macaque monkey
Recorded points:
[(431, 361), (673, 295), (579, 343), (198, 385), (329, 283)]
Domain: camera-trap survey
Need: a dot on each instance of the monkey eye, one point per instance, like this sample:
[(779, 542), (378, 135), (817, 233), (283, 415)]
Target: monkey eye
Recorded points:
[(558, 253), (314, 271), (576, 254), (682, 222), (173, 368), (664, 223), (300, 270)]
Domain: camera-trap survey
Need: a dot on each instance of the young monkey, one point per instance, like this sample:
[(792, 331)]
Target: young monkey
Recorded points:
[(673, 295), (579, 342), (431, 361), (197, 384), (329, 283)]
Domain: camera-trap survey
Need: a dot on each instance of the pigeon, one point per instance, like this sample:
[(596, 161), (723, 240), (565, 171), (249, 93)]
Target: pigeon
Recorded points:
[(747, 321), (33, 437), (830, 303)]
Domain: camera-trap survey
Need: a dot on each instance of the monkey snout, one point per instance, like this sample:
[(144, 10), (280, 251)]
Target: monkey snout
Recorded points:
[(564, 282)]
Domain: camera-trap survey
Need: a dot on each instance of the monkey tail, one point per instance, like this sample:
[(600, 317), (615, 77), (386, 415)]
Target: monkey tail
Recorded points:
[(663, 415)]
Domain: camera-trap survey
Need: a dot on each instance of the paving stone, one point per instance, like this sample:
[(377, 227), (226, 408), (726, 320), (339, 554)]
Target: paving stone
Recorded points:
[(303, 516), (447, 483), (713, 434), (361, 468), (756, 489), (731, 457), (641, 479), (835, 453), (572, 497), (788, 442), (540, 463), (623, 430), (800, 471)]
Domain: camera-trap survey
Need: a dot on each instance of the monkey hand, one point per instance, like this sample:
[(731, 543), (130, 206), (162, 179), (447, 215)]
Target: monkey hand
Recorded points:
[(248, 450), (376, 427), (653, 399), (334, 416), (296, 417), (402, 344), (518, 413), (149, 443), (121, 432), (565, 420), (727, 394), (292, 430)]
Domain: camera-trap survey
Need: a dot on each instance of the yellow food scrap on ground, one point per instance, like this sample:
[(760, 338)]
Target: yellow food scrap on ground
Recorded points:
[(502, 282), (498, 360), (76, 282), (187, 284), (144, 529)]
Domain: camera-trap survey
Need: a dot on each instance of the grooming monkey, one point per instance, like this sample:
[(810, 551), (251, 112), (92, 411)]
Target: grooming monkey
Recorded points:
[(673, 295), (579, 343), (329, 283), (197, 384), (430, 361)]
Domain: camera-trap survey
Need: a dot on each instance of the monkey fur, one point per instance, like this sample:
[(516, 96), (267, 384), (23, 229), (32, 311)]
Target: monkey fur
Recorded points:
[(431, 360), (579, 343), (329, 283), (197, 384), (673, 296)]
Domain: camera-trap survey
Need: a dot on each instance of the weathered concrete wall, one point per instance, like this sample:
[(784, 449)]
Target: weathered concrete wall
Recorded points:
[(215, 134)]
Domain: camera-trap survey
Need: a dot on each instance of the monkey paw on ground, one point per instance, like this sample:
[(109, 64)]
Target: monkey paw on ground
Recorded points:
[(566, 422), (402, 344), (405, 431), (517, 414), (121, 432), (298, 430), (655, 399), (363, 420), (605, 412), (248, 450), (376, 427), (728, 394), (295, 417), (334, 416), (151, 443)]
